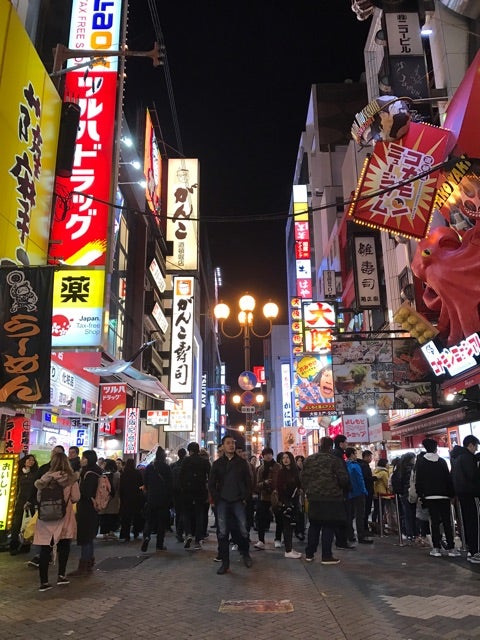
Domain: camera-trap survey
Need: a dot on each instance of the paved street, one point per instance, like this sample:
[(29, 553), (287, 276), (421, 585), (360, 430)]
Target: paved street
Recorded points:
[(378, 592)]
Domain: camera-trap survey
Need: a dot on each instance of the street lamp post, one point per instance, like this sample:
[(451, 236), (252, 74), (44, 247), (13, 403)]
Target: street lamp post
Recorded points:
[(246, 329)]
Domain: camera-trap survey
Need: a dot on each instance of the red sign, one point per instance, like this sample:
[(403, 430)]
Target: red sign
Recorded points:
[(386, 197), (17, 435), (113, 399), (80, 224)]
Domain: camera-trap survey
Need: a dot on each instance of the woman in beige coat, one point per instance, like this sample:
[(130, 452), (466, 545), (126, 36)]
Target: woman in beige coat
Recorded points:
[(57, 534)]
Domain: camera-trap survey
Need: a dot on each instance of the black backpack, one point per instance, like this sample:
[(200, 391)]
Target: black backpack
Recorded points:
[(52, 505)]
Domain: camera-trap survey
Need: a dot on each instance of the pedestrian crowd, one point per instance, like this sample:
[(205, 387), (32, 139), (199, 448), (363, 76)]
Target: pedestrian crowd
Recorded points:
[(330, 498)]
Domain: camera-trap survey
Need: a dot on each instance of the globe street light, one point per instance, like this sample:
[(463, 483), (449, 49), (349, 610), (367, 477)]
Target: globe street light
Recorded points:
[(246, 321)]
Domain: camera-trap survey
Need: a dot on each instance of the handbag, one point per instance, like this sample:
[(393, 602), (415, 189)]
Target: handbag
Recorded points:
[(275, 500), (290, 510)]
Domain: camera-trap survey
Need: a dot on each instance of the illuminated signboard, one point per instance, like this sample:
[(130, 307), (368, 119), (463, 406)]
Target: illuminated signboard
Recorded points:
[(158, 417), (314, 385), (78, 308), (29, 114), (181, 415), (303, 269), (286, 395), (455, 359), (403, 34), (152, 169), (113, 399), (157, 275), (181, 353), (8, 488), (319, 320), (182, 213), (79, 231)]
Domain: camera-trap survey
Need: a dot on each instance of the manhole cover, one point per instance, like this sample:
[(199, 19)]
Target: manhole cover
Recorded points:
[(119, 563), (256, 606)]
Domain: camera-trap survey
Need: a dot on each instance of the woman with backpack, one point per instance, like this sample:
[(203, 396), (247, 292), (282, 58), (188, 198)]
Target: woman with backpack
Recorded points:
[(57, 492), (87, 515)]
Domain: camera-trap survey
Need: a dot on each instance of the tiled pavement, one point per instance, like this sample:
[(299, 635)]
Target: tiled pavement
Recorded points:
[(378, 592)]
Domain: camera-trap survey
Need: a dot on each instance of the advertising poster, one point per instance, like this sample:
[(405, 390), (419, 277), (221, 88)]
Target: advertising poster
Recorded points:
[(407, 208), (314, 393), (378, 374), (8, 488)]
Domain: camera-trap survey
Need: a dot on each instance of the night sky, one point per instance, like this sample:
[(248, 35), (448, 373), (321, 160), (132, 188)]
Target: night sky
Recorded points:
[(241, 75)]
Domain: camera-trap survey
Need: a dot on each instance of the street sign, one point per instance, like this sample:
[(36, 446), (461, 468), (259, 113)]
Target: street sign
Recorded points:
[(245, 409)]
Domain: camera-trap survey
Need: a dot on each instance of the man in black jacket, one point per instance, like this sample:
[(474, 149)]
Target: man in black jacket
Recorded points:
[(193, 481), (466, 482), (230, 486), (364, 463), (434, 487)]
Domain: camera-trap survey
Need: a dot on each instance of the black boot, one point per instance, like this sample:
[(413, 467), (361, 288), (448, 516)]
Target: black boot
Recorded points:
[(144, 546), (223, 568)]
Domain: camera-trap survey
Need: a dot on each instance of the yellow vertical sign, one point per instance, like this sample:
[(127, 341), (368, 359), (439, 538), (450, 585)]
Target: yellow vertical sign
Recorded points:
[(29, 121)]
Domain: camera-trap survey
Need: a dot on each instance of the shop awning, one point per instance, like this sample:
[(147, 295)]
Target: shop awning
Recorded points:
[(430, 423)]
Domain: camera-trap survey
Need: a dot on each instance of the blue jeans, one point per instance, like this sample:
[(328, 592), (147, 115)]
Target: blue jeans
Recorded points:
[(313, 538), (86, 551), (231, 516)]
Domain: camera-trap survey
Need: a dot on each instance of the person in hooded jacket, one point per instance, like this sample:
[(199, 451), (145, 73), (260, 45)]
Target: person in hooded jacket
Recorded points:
[(159, 498), (466, 483), (59, 533), (434, 487), (87, 517), (405, 468)]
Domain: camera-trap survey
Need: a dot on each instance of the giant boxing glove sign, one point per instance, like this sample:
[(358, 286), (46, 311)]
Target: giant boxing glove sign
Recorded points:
[(449, 265)]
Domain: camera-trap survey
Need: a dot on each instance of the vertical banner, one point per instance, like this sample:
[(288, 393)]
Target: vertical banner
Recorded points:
[(181, 354), (8, 489), (29, 115), (132, 417), (182, 212), (25, 334)]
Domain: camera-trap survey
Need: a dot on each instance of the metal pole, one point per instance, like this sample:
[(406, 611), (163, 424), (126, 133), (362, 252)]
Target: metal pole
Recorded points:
[(380, 514), (397, 509), (246, 345)]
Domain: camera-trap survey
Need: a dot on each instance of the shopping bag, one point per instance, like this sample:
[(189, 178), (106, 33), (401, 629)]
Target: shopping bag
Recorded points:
[(28, 531)]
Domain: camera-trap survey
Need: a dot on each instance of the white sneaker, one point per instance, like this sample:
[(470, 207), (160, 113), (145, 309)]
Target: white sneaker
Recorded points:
[(234, 547), (454, 553), (436, 553), (277, 544), (475, 558), (293, 554), (259, 545)]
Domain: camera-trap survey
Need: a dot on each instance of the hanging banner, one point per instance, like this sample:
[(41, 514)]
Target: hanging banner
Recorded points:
[(25, 334), (17, 436), (367, 276), (182, 214), (355, 428), (384, 199), (132, 421)]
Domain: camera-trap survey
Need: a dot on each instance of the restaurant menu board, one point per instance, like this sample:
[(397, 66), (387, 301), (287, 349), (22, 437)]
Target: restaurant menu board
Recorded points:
[(379, 374)]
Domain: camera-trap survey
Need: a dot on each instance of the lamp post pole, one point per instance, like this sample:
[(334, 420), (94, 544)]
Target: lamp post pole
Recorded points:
[(246, 319)]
